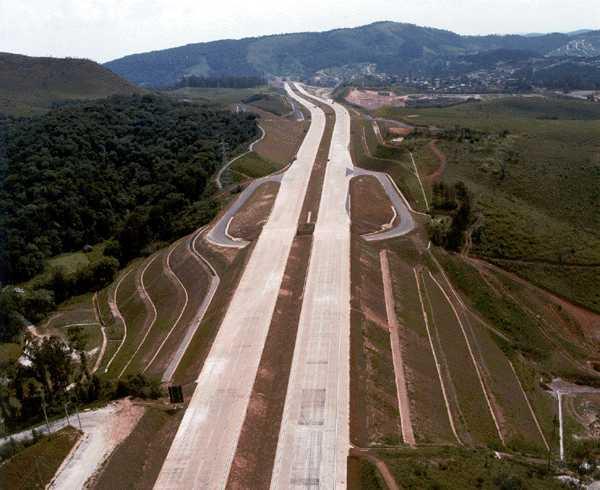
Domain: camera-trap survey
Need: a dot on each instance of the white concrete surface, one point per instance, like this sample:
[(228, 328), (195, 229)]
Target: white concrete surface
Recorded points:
[(103, 430), (203, 449), (314, 438)]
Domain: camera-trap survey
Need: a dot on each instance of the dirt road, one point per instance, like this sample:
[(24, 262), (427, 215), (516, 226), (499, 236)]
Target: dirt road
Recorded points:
[(203, 449), (103, 430), (314, 437)]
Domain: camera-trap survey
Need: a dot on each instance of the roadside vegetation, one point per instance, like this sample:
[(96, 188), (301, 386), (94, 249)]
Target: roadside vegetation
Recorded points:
[(34, 467), (456, 468)]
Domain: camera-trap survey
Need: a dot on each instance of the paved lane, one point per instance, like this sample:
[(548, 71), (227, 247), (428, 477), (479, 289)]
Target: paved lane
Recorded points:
[(314, 437), (203, 449)]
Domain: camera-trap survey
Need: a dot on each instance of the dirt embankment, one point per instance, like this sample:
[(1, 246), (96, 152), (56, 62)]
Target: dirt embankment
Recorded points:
[(310, 208), (371, 99), (437, 175), (371, 208), (229, 264), (373, 399), (137, 460), (249, 220), (282, 139)]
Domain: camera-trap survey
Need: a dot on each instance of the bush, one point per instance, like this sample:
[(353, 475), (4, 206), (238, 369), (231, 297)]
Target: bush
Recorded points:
[(138, 386)]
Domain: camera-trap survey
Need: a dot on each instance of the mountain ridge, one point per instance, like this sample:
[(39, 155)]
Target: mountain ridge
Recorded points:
[(31, 85), (392, 47)]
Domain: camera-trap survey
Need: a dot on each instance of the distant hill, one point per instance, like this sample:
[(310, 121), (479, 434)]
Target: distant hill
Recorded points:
[(31, 85), (391, 47)]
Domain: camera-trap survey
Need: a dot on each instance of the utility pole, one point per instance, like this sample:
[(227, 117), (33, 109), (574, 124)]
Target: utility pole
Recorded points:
[(67, 414), (44, 410), (223, 145), (78, 419)]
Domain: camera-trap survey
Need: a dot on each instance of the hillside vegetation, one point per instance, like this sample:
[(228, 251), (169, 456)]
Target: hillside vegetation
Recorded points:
[(32, 85), (393, 47), (534, 166), (133, 167)]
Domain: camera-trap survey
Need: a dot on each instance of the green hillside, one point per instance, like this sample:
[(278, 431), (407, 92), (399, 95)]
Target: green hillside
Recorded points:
[(393, 47), (32, 85), (532, 163)]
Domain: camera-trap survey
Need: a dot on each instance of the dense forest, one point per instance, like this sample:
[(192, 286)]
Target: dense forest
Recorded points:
[(130, 167)]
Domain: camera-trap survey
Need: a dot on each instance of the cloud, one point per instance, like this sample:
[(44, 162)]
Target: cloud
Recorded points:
[(107, 29)]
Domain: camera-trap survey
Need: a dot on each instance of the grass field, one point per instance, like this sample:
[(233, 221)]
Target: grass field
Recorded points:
[(9, 352), (536, 185), (524, 328), (168, 298), (282, 137), (144, 451), (254, 166), (457, 469), (428, 410), (36, 465), (70, 262), (469, 407), (221, 96), (274, 103)]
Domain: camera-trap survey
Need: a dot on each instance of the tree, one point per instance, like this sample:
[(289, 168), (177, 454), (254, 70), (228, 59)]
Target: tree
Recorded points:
[(51, 365)]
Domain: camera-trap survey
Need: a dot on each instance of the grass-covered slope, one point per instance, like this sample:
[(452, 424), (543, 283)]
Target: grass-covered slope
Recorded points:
[(133, 167), (534, 170), (31, 85)]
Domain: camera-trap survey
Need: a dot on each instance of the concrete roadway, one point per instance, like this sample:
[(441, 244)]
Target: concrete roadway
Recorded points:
[(203, 449), (314, 437)]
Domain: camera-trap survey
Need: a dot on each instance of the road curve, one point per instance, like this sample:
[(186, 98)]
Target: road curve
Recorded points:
[(228, 164), (218, 234), (203, 449), (407, 222)]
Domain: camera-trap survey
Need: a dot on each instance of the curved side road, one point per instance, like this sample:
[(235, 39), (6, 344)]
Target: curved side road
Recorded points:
[(218, 234), (407, 223), (228, 164), (204, 446)]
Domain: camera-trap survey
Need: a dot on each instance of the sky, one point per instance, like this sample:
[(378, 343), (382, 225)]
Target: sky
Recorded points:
[(107, 29)]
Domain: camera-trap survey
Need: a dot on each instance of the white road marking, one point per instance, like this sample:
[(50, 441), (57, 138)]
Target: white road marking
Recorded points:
[(203, 449)]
